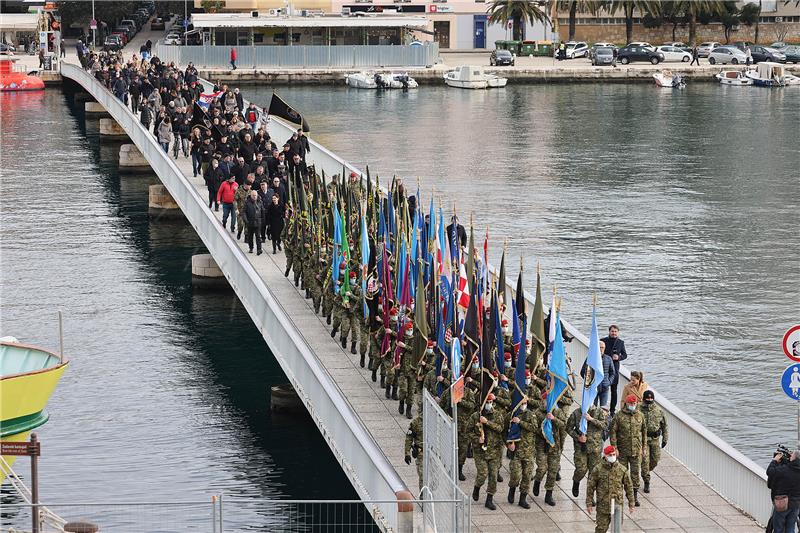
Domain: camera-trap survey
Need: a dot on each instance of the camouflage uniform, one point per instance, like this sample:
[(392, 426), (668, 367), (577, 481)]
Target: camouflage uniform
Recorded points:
[(414, 439), (387, 368), (350, 312), (239, 198), (587, 454), (408, 371), (656, 428), (289, 249), (522, 464), (486, 460), (328, 296), (628, 434), (608, 481), (318, 282), (431, 383), (466, 407), (548, 458), (376, 334), (307, 267)]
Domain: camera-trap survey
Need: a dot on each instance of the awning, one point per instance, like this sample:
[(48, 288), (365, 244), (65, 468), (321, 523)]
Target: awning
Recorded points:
[(19, 21), (238, 20)]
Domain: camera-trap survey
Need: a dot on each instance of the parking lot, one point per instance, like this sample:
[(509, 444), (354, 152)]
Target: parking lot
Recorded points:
[(452, 59)]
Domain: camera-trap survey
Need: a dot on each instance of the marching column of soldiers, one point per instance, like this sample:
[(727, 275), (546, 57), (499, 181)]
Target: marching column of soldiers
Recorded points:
[(408, 296)]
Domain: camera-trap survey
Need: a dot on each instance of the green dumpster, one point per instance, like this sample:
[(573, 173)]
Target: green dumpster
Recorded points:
[(545, 50), (500, 45), (513, 46), (528, 48)]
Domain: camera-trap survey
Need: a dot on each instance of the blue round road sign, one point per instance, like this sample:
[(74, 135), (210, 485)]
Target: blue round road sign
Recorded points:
[(790, 381)]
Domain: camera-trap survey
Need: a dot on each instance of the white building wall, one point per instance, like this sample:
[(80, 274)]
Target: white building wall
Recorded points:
[(465, 28)]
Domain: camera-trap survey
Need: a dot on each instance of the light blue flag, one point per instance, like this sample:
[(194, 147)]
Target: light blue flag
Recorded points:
[(337, 245), (364, 263), (594, 361), (557, 382), (455, 358)]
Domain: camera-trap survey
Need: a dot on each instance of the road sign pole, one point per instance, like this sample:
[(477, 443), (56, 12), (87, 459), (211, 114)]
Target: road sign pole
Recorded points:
[(798, 425), (35, 485)]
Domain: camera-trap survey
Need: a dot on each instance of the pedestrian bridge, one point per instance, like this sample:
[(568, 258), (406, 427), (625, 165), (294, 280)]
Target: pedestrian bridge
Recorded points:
[(702, 483)]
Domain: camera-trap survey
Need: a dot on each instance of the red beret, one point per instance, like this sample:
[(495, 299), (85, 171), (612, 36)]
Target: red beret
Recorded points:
[(507, 356), (631, 398), (490, 397), (527, 373), (608, 450)]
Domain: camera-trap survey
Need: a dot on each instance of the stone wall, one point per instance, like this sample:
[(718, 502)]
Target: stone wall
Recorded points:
[(615, 33)]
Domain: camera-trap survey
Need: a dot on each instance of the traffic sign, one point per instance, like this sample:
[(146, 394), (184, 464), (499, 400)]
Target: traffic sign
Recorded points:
[(790, 381), (93, 24), (791, 343)]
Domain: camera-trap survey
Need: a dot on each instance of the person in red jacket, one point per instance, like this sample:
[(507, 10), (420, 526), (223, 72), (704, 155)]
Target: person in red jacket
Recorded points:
[(225, 195), (233, 57)]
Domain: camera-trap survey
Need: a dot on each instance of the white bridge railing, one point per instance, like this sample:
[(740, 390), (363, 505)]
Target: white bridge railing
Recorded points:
[(362, 460)]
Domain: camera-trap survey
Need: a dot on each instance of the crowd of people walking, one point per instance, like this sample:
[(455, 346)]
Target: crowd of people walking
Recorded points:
[(412, 295)]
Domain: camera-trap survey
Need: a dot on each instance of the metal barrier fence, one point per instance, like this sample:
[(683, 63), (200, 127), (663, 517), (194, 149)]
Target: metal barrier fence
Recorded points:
[(219, 515), (362, 460), (301, 56), (440, 468)]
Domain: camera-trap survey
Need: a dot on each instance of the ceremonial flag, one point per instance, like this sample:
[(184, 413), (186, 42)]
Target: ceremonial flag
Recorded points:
[(498, 338), (463, 287), (520, 294), (501, 288), (471, 326), (520, 388), (470, 260), (594, 371), (281, 109), (443, 258), (515, 333), (337, 246), (538, 343), (558, 380), (551, 333), (205, 99), (364, 260), (455, 358)]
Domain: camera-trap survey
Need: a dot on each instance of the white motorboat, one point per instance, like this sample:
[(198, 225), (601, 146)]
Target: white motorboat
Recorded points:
[(768, 75), (468, 77), (791, 79), (361, 80), (395, 81), (733, 77), (666, 79)]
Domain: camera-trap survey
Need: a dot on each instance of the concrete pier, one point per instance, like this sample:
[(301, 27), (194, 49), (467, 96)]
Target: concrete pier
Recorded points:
[(162, 205), (206, 274), (111, 131), (94, 109), (131, 159)]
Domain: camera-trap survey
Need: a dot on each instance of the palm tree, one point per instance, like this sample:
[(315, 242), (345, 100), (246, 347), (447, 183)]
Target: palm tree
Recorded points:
[(517, 12), (628, 7), (693, 9)]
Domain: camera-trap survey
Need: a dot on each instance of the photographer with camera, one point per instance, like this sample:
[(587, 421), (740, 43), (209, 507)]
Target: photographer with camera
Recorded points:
[(783, 478)]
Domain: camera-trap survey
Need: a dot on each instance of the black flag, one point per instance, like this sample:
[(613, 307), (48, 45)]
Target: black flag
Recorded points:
[(279, 108)]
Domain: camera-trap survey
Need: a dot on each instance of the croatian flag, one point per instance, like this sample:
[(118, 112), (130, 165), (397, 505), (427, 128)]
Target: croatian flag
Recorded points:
[(206, 98), (463, 287)]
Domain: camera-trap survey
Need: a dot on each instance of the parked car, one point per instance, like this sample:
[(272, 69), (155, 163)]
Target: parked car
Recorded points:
[(633, 52), (501, 57), (131, 23), (157, 24), (122, 35), (765, 53), (678, 44), (7, 49), (112, 42), (172, 38), (643, 44), (779, 45), (595, 46), (603, 55), (673, 53), (741, 45), (127, 30), (705, 48), (727, 54), (792, 53), (577, 49)]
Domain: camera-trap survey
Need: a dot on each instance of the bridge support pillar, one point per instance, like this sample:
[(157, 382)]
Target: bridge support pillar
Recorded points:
[(206, 273), (405, 511), (111, 131), (161, 204), (131, 159), (83, 96), (93, 109)]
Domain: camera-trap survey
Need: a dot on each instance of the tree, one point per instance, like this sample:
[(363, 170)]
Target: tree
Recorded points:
[(212, 6), (628, 7), (578, 6), (516, 12), (674, 13), (697, 11), (781, 30)]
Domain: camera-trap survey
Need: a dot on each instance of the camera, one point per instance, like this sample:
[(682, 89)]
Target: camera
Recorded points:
[(785, 453)]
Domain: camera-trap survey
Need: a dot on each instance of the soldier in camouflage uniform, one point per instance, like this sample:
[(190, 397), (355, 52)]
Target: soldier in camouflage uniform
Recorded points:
[(587, 447), (351, 305), (548, 457), (239, 198), (408, 370), (657, 435), (337, 306), (487, 432), (522, 464), (432, 382), (288, 239), (376, 334), (466, 407), (608, 480), (301, 253), (414, 441), (328, 296), (629, 434), (388, 371), (503, 401), (318, 281), (307, 265)]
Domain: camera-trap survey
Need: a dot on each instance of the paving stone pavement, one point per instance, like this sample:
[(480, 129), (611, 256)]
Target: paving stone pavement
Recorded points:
[(679, 501)]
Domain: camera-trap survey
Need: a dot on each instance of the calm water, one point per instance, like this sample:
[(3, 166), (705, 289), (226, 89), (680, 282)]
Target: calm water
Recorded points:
[(680, 209), (167, 394)]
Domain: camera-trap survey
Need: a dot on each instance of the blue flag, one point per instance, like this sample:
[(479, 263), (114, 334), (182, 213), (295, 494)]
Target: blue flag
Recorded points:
[(364, 262), (455, 359), (558, 379), (514, 430), (498, 331), (337, 246), (594, 372)]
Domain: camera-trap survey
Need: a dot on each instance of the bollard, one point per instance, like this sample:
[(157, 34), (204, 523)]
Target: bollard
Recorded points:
[(206, 274), (131, 159), (161, 204), (94, 109), (111, 131)]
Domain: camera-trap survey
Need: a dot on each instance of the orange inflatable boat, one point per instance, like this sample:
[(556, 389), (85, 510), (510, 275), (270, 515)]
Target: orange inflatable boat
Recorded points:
[(17, 81)]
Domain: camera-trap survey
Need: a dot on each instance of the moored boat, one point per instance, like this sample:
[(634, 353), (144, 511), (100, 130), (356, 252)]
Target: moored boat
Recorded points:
[(28, 376), (791, 79), (666, 79), (768, 75), (17, 81), (733, 77), (381, 80), (361, 80), (470, 77)]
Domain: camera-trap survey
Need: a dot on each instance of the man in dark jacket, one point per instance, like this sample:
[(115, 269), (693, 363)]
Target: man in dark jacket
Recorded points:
[(783, 479), (462, 234), (615, 348), (213, 178), (248, 148), (146, 116), (609, 375), (275, 213), (254, 218)]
